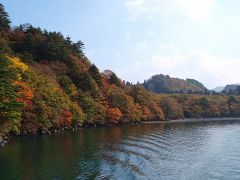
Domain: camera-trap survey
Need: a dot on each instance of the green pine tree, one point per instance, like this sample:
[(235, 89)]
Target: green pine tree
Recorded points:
[(94, 71), (4, 19)]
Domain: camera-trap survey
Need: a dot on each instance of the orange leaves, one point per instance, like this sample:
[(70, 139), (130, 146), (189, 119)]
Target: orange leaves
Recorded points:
[(65, 119), (114, 115), (24, 92), (105, 82), (147, 115), (157, 111), (18, 37)]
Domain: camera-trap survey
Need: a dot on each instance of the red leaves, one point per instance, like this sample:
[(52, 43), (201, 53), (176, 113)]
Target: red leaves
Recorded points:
[(24, 92), (105, 82), (147, 114), (65, 119), (114, 115)]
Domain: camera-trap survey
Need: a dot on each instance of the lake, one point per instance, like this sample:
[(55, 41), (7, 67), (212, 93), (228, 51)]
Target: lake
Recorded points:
[(183, 150)]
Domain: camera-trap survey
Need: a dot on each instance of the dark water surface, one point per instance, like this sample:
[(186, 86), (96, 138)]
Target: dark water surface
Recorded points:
[(187, 150)]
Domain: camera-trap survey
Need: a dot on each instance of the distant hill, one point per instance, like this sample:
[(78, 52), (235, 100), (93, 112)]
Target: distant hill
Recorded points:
[(166, 84), (231, 88), (218, 89)]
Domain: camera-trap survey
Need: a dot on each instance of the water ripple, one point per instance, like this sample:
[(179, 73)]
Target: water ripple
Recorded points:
[(125, 164), (147, 151), (126, 151), (127, 143)]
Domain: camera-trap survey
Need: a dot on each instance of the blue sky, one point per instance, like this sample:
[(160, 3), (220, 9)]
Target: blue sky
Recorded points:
[(139, 38)]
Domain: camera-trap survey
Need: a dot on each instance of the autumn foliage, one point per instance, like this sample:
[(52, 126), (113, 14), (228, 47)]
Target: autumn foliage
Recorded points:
[(65, 119), (47, 83), (114, 115), (25, 93)]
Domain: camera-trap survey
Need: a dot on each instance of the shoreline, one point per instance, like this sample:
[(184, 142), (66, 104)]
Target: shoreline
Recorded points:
[(194, 120), (4, 140)]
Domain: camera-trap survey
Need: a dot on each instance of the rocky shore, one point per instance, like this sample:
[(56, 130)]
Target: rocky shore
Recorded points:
[(3, 141)]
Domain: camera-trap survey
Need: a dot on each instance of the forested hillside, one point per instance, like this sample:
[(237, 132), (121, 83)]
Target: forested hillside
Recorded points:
[(232, 89), (47, 83), (166, 84)]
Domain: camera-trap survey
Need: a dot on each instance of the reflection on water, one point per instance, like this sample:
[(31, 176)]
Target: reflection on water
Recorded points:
[(196, 150)]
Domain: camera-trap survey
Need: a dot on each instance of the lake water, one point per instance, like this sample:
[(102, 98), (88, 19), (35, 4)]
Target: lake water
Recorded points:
[(190, 150)]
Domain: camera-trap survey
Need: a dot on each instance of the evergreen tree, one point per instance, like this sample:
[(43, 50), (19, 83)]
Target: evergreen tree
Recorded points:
[(4, 19), (87, 104), (88, 84), (114, 79), (95, 74)]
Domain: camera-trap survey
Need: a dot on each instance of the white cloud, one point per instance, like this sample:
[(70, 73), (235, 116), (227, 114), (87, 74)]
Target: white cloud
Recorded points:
[(118, 55), (167, 21), (195, 10), (197, 63), (128, 35), (174, 60), (141, 45), (151, 32), (138, 64), (138, 8), (134, 4), (224, 70)]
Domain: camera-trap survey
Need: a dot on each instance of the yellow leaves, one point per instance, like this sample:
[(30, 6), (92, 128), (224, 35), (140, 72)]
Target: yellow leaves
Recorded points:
[(17, 64)]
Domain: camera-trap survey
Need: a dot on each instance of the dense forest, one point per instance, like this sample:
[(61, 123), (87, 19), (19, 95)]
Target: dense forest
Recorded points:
[(166, 84), (47, 83)]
